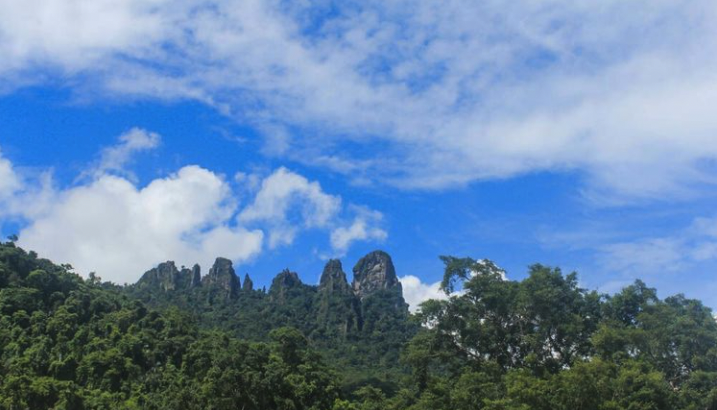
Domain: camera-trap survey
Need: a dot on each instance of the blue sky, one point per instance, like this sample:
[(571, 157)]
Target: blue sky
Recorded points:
[(282, 134)]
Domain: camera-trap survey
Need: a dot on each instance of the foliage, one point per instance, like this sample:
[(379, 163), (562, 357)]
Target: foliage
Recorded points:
[(540, 343), (70, 344)]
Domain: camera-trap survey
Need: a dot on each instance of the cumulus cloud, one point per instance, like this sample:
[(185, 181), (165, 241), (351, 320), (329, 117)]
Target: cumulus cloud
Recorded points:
[(117, 229), (108, 223), (285, 198), (364, 227), (451, 92), (416, 292)]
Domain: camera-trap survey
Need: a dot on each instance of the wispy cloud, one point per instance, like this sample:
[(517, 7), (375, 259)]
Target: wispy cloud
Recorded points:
[(114, 159), (614, 251), (364, 227), (452, 92), (678, 252)]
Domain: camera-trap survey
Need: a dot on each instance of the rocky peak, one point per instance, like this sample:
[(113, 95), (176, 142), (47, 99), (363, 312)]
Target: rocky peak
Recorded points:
[(286, 279), (283, 283), (196, 276), (165, 277), (374, 272), (333, 278), (248, 283), (222, 277)]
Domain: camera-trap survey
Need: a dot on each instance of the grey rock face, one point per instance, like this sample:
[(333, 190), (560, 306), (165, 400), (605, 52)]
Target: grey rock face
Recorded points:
[(166, 277), (282, 284), (286, 279), (333, 278), (375, 272), (222, 278)]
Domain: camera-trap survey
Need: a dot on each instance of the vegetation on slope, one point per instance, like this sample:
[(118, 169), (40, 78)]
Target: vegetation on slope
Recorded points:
[(539, 343), (66, 343)]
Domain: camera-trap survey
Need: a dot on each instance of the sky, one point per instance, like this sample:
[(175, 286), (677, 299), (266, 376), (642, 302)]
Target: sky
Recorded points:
[(578, 134)]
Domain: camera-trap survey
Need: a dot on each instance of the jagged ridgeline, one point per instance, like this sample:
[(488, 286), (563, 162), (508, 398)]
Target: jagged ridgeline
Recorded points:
[(362, 324)]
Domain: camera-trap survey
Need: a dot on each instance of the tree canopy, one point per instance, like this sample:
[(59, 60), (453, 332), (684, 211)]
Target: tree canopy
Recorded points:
[(540, 343)]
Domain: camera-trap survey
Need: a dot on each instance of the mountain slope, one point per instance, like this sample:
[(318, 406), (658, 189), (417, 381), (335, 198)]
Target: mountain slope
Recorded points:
[(66, 343)]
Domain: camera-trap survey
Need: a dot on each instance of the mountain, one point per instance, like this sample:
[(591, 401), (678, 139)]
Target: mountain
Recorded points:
[(333, 309), (373, 273), (67, 343), (177, 340), (221, 281), (362, 325), (166, 277)]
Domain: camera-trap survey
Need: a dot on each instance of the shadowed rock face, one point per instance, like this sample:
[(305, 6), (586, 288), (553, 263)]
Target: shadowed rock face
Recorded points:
[(333, 278), (222, 278), (248, 283), (374, 272), (196, 276)]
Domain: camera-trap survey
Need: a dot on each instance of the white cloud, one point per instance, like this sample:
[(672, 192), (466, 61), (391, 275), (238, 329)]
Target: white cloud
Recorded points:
[(119, 230), (76, 34), (451, 92), (672, 253), (648, 256), (9, 181), (287, 202), (364, 227), (415, 291), (114, 158), (110, 224)]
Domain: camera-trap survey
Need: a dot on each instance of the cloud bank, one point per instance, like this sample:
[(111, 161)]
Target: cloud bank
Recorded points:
[(451, 92), (110, 224)]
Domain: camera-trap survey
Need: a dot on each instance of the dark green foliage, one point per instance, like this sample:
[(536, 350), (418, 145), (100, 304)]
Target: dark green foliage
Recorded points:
[(362, 338), (70, 344), (545, 343), (171, 342)]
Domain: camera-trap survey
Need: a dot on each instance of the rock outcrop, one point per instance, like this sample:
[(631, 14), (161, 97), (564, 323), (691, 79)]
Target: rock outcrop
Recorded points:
[(196, 276), (248, 285), (285, 285), (333, 278), (284, 280), (167, 277), (372, 302), (338, 309), (222, 279), (375, 272)]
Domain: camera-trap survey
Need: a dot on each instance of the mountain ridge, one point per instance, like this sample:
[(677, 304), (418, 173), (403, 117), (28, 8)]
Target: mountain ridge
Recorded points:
[(374, 271)]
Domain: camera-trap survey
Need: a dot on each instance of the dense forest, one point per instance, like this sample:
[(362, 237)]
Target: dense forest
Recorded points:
[(180, 340)]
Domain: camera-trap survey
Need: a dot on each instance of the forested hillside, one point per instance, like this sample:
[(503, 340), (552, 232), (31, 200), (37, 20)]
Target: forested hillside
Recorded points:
[(359, 327), (180, 340)]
